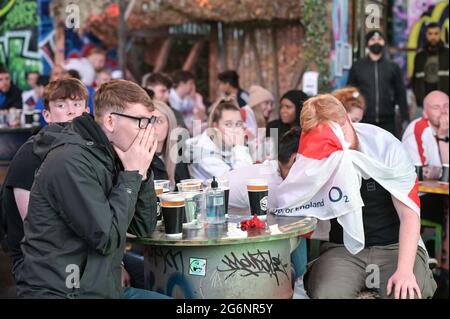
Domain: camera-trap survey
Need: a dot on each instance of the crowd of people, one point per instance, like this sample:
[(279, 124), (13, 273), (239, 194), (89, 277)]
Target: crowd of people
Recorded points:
[(74, 189)]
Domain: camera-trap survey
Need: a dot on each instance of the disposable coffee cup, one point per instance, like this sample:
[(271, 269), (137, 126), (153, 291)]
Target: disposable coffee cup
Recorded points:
[(444, 177), (419, 171), (159, 190), (172, 208), (28, 119), (258, 193)]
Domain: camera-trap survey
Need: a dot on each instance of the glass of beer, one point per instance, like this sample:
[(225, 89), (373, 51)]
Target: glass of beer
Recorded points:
[(190, 185), (172, 208), (258, 192), (164, 183)]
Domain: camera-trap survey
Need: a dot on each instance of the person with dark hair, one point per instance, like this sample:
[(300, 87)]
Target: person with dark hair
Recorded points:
[(64, 100), (291, 104), (160, 84), (184, 98), (229, 85), (30, 97), (380, 81), (272, 170), (10, 95), (431, 66), (74, 74)]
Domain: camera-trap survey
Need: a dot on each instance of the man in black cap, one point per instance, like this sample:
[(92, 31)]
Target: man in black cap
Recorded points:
[(431, 69), (381, 83)]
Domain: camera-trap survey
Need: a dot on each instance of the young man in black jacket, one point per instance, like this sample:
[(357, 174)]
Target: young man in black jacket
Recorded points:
[(64, 100), (381, 83), (92, 187), (431, 68)]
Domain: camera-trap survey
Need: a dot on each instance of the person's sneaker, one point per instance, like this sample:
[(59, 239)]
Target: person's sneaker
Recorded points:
[(299, 289), (432, 263)]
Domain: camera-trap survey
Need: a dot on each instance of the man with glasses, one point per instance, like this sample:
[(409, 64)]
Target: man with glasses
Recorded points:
[(92, 187)]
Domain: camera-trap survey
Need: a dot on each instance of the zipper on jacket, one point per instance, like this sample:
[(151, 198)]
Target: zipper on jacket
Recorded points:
[(377, 97)]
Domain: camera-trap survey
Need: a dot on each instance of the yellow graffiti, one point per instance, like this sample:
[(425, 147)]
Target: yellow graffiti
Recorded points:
[(7, 7), (413, 39)]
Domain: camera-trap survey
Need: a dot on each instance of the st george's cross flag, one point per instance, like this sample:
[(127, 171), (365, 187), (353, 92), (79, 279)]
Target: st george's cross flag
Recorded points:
[(325, 180)]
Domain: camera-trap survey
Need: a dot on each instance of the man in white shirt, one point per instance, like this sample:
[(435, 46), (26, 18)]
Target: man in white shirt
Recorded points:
[(426, 139)]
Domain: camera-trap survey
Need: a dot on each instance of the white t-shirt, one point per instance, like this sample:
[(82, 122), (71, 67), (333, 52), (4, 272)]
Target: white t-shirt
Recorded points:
[(84, 67)]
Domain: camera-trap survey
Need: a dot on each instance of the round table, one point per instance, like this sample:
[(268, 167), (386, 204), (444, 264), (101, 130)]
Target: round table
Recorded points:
[(222, 261)]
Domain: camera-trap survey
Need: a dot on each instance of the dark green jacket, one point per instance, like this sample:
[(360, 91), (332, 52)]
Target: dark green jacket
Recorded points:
[(81, 205)]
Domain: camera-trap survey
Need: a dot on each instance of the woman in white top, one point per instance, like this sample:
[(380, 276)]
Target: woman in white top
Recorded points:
[(221, 147)]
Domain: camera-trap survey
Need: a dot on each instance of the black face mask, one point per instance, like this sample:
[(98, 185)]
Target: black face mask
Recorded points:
[(376, 48)]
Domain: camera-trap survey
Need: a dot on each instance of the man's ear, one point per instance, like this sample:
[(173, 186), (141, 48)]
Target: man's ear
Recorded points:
[(46, 114), (108, 122)]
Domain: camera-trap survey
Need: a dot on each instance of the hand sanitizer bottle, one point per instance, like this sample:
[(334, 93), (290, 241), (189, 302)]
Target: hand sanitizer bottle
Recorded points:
[(215, 204)]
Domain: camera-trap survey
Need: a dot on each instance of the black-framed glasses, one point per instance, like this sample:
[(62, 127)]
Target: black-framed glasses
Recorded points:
[(143, 121)]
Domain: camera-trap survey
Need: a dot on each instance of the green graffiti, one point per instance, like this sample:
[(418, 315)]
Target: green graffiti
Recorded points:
[(18, 65), (6, 5), (22, 15)]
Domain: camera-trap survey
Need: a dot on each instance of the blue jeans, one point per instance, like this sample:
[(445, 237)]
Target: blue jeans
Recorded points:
[(135, 293), (299, 259)]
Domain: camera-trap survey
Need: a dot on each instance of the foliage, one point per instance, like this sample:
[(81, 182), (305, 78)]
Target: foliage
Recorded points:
[(317, 48)]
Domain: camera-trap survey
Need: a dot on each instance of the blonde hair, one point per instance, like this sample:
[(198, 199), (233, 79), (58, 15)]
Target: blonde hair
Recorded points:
[(321, 109), (350, 97), (169, 143)]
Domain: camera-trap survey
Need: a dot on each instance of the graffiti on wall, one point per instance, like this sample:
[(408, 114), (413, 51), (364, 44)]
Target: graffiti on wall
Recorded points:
[(47, 45), (416, 9), (18, 39), (399, 34), (259, 263), (341, 53), (416, 38)]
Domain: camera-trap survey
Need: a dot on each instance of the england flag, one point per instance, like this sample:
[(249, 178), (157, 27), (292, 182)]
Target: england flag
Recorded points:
[(325, 180)]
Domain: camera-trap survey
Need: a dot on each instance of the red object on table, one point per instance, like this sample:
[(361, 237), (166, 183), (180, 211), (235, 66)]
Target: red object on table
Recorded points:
[(255, 222)]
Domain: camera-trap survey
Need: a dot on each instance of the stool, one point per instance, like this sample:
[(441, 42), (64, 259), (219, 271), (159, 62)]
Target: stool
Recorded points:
[(314, 249), (437, 237)]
